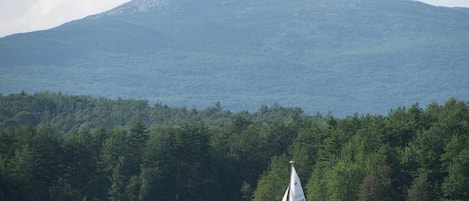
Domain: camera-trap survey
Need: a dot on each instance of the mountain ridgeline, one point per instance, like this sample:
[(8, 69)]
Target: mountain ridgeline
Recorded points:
[(343, 56)]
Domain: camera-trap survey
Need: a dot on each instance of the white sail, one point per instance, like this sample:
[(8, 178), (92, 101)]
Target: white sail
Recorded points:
[(285, 197), (294, 190)]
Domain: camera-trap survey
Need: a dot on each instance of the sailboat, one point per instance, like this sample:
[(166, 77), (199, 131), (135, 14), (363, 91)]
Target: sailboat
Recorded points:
[(294, 190)]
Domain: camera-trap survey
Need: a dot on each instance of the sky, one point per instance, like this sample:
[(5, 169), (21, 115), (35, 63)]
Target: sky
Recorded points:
[(19, 16)]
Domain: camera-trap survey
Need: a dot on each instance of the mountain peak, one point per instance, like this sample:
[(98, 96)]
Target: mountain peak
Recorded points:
[(341, 56), (139, 6), (144, 5)]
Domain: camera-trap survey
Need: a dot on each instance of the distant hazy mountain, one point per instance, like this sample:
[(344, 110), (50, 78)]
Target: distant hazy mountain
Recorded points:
[(343, 56)]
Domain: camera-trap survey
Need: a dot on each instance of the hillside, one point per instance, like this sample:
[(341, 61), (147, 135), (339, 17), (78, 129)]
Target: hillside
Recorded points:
[(74, 148), (343, 56)]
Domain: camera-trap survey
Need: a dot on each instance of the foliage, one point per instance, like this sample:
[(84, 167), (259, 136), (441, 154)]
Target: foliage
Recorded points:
[(126, 150)]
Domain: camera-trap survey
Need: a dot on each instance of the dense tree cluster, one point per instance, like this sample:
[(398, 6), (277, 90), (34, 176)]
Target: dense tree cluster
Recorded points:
[(62, 147)]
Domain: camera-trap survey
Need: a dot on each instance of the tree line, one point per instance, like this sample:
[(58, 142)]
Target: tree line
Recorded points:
[(63, 147)]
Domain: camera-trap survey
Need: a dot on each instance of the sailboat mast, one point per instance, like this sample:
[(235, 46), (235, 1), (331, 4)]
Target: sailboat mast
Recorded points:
[(292, 172)]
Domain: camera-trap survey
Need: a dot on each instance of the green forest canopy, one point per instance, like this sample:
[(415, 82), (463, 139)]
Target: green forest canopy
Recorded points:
[(63, 147)]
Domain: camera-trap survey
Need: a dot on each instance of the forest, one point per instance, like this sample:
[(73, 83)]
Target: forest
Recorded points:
[(344, 56), (61, 147)]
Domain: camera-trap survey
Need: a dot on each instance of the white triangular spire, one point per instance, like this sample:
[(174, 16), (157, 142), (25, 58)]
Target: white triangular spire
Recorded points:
[(294, 191)]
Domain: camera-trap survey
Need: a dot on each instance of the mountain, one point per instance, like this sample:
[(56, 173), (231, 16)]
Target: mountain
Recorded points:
[(343, 56)]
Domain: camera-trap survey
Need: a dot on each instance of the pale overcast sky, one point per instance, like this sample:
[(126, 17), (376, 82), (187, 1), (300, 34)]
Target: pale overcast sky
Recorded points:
[(18, 16)]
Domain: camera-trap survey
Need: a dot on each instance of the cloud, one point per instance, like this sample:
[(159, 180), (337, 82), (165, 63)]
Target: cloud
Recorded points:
[(13, 15), (29, 15), (448, 3)]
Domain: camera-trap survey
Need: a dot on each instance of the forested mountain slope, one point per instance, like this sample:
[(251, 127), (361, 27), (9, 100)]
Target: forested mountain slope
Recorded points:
[(74, 148), (342, 56)]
